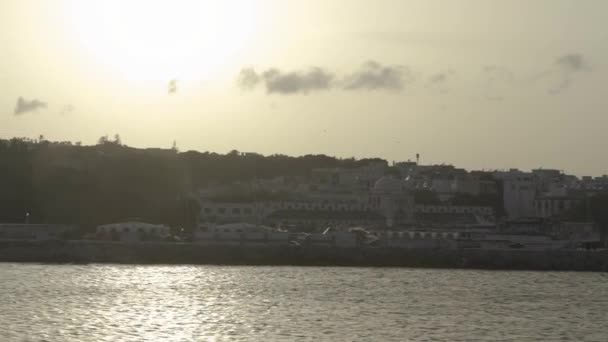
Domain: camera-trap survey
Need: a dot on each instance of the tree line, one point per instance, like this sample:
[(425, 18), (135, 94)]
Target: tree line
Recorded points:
[(61, 182)]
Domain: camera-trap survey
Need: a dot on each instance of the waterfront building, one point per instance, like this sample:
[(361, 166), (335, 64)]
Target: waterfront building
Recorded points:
[(475, 183), (454, 209), (132, 231), (228, 211), (554, 203), (388, 202), (420, 239), (390, 198), (595, 183), (455, 216), (240, 233), (529, 226), (519, 192), (340, 239)]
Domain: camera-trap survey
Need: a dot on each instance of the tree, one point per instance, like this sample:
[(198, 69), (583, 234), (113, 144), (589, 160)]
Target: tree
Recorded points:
[(103, 140), (63, 183)]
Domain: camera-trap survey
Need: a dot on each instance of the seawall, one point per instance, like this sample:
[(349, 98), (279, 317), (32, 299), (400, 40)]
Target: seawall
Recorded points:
[(191, 253)]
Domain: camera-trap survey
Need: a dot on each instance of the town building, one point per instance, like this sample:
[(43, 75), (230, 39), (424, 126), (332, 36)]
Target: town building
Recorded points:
[(519, 192), (239, 234), (556, 202), (388, 202), (132, 231)]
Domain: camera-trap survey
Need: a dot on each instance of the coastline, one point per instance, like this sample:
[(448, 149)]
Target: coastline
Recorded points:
[(83, 252)]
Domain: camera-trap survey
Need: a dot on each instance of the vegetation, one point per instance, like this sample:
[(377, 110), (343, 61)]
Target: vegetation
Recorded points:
[(61, 182)]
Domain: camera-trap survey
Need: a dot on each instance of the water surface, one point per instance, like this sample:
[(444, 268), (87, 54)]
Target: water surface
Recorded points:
[(217, 303)]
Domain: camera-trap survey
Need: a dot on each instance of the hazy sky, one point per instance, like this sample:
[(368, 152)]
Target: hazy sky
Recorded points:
[(476, 83)]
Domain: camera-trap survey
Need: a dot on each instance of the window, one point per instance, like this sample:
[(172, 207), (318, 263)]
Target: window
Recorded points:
[(247, 211), (236, 211), (207, 210), (221, 210)]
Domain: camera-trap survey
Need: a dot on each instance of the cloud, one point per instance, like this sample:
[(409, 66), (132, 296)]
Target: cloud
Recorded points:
[(374, 76), (294, 82), (248, 79), (573, 62), (370, 76), (440, 81), (567, 65), (25, 106), (285, 83)]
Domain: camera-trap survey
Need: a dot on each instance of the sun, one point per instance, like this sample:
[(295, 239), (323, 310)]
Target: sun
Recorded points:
[(148, 40)]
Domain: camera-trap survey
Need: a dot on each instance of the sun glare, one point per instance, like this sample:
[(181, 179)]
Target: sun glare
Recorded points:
[(163, 39)]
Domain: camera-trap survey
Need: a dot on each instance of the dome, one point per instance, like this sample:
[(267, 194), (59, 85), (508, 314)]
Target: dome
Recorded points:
[(388, 184)]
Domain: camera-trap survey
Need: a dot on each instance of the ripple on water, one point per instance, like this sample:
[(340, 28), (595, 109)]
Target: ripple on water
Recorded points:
[(212, 303)]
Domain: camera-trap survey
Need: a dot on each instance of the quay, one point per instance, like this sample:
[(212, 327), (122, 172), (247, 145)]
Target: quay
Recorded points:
[(79, 251)]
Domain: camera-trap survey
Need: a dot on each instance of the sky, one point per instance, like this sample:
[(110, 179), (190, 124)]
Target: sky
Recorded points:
[(481, 84)]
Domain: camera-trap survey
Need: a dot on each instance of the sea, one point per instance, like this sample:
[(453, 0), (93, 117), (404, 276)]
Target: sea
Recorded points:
[(46, 302)]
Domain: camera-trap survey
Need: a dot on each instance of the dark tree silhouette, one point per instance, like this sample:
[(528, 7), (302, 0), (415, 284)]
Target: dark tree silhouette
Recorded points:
[(108, 182)]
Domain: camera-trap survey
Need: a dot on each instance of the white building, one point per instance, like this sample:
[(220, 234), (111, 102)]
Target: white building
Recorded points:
[(549, 206), (388, 198), (474, 183), (519, 191), (454, 209), (420, 239), (391, 199), (239, 234), (132, 231), (212, 211)]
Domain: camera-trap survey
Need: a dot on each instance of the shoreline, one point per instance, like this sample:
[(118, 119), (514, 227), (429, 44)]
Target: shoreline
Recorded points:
[(163, 253)]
